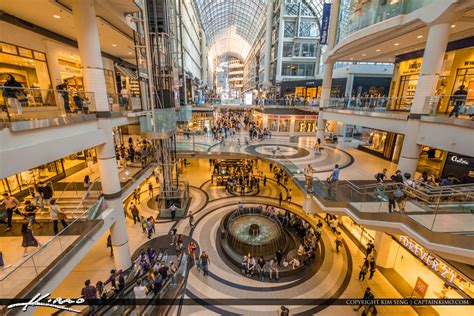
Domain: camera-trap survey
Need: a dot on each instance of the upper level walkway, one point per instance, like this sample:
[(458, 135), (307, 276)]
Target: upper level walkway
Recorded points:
[(441, 219)]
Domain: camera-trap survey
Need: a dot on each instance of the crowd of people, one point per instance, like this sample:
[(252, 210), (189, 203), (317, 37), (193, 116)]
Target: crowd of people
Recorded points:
[(305, 253), (139, 151)]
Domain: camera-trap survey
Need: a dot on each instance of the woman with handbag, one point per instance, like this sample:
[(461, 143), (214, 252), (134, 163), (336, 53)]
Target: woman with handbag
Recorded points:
[(57, 214), (29, 240), (13, 95)]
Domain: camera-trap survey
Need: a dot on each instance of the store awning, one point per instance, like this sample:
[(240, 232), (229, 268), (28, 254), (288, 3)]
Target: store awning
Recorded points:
[(126, 72)]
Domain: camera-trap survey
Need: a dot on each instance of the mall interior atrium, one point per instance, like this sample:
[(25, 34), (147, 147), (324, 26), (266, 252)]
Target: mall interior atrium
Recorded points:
[(226, 157)]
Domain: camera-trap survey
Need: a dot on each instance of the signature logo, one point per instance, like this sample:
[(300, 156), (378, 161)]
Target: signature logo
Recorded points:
[(44, 301)]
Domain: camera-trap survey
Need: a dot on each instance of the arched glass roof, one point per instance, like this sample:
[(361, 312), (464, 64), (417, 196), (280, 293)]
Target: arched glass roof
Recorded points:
[(231, 26)]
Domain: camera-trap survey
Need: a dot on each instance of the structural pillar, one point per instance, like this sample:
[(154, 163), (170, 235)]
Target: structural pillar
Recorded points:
[(328, 67), (385, 249), (431, 69), (268, 45), (325, 94), (94, 81), (203, 61)]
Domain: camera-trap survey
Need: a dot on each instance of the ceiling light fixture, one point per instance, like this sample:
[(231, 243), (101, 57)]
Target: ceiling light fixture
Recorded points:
[(351, 58), (453, 25), (364, 54), (419, 36), (396, 44), (56, 16), (129, 53), (114, 45), (377, 50)]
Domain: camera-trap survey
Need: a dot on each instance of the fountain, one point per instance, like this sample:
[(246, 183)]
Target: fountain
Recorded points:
[(251, 230)]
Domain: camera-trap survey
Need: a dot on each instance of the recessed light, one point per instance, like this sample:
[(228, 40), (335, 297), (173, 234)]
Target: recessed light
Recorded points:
[(396, 44), (114, 45), (364, 54), (377, 50), (56, 16), (351, 58), (129, 53), (419, 36), (453, 25)]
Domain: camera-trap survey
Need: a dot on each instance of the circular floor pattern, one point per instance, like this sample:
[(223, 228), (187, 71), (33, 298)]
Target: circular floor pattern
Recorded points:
[(272, 151)]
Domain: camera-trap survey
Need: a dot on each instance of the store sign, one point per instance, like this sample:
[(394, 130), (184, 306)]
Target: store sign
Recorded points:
[(469, 63), (323, 35), (413, 67), (459, 160), (421, 287), (430, 261), (70, 70)]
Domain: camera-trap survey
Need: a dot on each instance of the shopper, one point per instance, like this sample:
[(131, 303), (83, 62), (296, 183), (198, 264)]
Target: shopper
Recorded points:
[(13, 94), (63, 90), (261, 268), (173, 211), (333, 179), (280, 198), (459, 99), (381, 176), (87, 184), (279, 256), (11, 205), (150, 189), (135, 213), (89, 293), (370, 248), (397, 177), (372, 267), (288, 196), (273, 269), (57, 215), (205, 263), (391, 202), (140, 292), (283, 311), (363, 270), (46, 194), (191, 220), (339, 240), (29, 239), (367, 296), (109, 245), (30, 212)]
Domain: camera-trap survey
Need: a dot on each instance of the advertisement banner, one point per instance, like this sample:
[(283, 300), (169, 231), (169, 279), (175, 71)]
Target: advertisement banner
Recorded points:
[(323, 36)]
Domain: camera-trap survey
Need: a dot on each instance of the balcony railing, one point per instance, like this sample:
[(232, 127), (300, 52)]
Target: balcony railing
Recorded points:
[(370, 104), (457, 106), (18, 104), (361, 16)]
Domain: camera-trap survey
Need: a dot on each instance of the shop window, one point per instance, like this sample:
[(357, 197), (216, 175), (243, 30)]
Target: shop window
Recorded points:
[(7, 48), (25, 52), (30, 73), (273, 125), (290, 29), (284, 126)]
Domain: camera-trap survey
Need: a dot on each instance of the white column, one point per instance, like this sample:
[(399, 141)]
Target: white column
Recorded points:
[(385, 249), (325, 94), (349, 85), (203, 60), (87, 36), (410, 149), (268, 45), (432, 65), (94, 81)]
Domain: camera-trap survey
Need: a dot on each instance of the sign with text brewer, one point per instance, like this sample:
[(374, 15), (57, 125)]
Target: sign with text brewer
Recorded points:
[(421, 287), (323, 35)]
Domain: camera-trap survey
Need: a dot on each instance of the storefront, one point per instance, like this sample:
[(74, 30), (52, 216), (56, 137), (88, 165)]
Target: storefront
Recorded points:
[(458, 70), (310, 89), (386, 145), (411, 261), (21, 184), (286, 121), (441, 164), (29, 67), (202, 119)]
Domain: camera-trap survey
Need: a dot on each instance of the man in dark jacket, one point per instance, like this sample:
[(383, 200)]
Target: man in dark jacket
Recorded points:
[(459, 98)]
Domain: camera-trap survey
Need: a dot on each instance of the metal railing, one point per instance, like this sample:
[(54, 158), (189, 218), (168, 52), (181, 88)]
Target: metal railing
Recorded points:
[(33, 103), (371, 104), (458, 106)]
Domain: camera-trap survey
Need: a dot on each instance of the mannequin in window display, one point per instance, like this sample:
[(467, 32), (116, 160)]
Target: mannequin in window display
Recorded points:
[(382, 142)]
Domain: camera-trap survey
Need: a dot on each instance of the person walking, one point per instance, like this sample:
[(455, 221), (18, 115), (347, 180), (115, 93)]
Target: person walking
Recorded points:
[(283, 311), (11, 205), (363, 270), (280, 198), (29, 239), (30, 212), (109, 245), (150, 189), (135, 213), (333, 179), (391, 202), (367, 295), (89, 293), (288, 196), (459, 99), (87, 184), (173, 211), (57, 215), (46, 194), (205, 263), (191, 220), (372, 267), (265, 181), (339, 240)]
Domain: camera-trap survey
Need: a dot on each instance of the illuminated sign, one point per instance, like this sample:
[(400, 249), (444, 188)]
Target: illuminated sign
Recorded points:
[(430, 261)]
